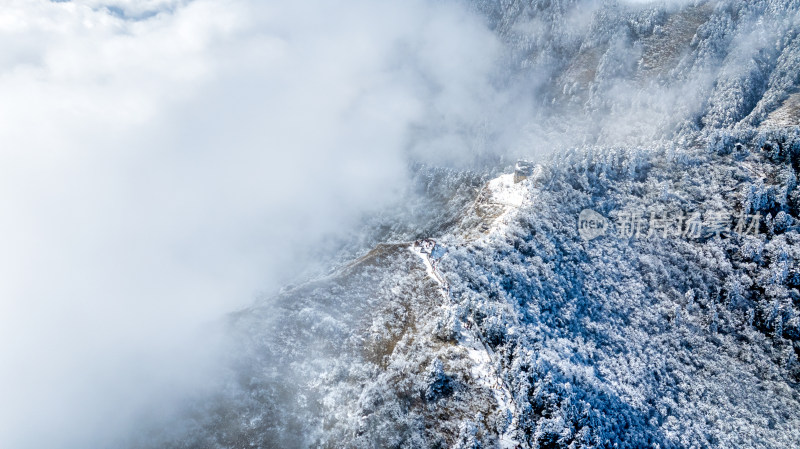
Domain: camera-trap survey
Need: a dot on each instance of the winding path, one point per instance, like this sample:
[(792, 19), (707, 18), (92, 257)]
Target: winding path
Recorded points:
[(484, 368)]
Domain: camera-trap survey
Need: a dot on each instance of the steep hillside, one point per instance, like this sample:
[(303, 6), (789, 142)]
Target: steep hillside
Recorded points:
[(670, 320), (615, 73), (660, 333)]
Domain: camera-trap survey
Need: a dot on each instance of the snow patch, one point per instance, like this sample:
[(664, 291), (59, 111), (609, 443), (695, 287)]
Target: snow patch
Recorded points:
[(504, 191), (511, 196), (427, 252), (788, 114)]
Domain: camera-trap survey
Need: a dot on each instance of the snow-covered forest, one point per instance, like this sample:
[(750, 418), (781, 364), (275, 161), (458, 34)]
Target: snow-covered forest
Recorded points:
[(511, 329), (540, 338)]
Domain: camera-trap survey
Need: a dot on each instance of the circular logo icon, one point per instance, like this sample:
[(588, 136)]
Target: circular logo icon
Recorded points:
[(591, 224)]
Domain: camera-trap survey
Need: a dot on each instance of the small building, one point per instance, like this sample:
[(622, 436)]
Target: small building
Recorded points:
[(523, 170), (425, 246)]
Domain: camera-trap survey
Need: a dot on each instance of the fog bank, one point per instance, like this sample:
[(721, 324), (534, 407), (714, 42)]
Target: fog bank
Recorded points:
[(164, 161)]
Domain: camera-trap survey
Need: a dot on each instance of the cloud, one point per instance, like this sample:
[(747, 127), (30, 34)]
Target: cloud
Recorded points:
[(163, 161)]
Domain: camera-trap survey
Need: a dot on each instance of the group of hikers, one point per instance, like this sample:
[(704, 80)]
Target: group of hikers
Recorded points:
[(425, 245)]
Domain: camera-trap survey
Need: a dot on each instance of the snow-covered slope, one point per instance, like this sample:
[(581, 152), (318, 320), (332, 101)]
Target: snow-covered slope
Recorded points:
[(641, 341), (618, 72), (678, 327)]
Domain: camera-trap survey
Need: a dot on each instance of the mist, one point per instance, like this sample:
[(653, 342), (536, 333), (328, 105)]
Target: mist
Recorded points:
[(165, 162)]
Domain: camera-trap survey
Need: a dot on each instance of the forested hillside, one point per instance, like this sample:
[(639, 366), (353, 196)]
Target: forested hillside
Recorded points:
[(677, 327), (641, 338)]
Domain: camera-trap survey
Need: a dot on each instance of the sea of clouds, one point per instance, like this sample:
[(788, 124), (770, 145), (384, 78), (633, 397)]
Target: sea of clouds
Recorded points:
[(162, 162)]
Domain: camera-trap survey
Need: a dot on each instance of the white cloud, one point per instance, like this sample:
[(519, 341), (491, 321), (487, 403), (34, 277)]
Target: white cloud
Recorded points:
[(161, 161)]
